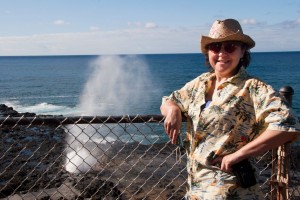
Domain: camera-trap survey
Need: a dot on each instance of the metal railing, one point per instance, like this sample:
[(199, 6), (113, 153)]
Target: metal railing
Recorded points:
[(113, 157), (110, 157), (120, 157)]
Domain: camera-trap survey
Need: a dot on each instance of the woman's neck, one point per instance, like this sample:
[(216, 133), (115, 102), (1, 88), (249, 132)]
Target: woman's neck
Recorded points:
[(210, 91), (213, 87)]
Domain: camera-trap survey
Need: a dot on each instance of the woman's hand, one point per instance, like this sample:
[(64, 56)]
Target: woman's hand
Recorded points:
[(229, 160), (173, 120)]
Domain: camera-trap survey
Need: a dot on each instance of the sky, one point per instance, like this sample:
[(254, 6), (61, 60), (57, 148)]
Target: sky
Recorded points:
[(106, 27)]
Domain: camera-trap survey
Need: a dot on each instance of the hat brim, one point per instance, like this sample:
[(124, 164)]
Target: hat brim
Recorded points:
[(205, 40)]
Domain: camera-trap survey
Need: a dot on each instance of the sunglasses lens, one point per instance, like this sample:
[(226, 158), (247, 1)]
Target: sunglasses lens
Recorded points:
[(230, 47), (215, 47)]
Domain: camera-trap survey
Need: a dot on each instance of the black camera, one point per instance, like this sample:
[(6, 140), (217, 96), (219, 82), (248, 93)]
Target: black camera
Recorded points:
[(244, 173)]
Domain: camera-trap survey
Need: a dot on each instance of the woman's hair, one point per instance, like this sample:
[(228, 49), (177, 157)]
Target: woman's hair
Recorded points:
[(244, 61)]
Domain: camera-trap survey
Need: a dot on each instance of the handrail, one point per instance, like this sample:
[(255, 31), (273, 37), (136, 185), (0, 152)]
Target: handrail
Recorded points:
[(59, 120)]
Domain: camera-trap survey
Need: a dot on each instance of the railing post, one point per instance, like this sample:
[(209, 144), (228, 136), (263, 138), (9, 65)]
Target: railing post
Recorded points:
[(287, 92), (283, 154)]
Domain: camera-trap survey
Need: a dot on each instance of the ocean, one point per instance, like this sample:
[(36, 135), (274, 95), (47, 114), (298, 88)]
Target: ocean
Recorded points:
[(120, 85)]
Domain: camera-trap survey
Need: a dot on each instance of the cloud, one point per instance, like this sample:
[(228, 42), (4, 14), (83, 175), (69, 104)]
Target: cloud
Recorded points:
[(290, 24), (275, 37), (128, 41), (141, 24), (142, 39), (94, 28), (249, 22), (59, 22), (150, 25), (134, 24)]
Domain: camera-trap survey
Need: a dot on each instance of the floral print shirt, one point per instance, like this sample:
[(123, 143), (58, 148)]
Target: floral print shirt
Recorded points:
[(242, 108)]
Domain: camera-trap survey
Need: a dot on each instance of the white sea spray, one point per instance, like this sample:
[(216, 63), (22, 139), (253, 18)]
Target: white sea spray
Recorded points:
[(114, 84)]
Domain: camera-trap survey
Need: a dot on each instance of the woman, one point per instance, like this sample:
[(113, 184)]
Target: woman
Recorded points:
[(232, 116)]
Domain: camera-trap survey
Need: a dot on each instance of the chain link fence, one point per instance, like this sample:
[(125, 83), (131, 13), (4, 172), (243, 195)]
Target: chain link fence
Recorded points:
[(112, 157)]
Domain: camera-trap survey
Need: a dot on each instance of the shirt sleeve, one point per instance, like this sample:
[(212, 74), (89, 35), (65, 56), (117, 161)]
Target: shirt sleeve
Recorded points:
[(182, 97), (272, 109)]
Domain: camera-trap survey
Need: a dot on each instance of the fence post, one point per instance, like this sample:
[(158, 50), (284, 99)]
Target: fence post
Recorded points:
[(283, 154), (287, 92)]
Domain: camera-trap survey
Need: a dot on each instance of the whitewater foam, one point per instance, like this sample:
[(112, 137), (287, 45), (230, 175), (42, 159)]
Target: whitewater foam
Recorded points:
[(43, 108)]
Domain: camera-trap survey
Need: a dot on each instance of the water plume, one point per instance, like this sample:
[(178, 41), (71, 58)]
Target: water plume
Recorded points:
[(116, 85)]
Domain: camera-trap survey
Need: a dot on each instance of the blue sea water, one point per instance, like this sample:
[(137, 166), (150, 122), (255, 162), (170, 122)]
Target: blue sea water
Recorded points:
[(117, 85)]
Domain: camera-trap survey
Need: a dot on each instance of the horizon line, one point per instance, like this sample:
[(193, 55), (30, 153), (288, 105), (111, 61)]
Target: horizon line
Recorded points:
[(49, 55)]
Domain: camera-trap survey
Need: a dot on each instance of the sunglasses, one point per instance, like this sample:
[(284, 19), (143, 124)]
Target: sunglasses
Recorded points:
[(229, 47)]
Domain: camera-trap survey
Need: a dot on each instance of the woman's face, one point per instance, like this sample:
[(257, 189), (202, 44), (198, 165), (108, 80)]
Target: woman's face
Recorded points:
[(224, 57)]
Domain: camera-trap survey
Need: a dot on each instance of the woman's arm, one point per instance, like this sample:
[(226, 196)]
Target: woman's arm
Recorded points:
[(173, 119), (269, 139)]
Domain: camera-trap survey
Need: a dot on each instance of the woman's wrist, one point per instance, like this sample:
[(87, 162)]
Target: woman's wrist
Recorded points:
[(241, 154)]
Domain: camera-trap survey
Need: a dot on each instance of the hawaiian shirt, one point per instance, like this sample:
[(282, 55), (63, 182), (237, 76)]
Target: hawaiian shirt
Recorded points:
[(242, 108)]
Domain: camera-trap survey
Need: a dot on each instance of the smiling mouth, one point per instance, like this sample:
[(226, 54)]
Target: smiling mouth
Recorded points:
[(223, 61)]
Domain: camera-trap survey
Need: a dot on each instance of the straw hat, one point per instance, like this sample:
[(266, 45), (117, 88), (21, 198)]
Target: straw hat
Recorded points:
[(226, 30)]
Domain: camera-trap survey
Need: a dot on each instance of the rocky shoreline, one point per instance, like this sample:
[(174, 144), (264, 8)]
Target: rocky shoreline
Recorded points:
[(32, 166), (9, 111)]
